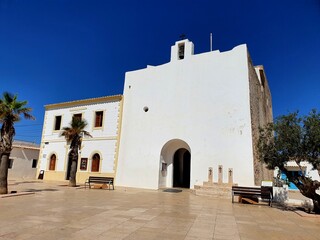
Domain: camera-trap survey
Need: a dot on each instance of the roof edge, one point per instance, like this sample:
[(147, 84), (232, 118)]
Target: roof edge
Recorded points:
[(84, 101)]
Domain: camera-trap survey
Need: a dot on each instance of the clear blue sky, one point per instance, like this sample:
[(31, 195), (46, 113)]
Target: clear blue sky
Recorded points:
[(64, 50)]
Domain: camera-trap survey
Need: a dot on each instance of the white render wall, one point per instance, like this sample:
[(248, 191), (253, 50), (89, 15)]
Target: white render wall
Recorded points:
[(200, 103), (22, 155), (103, 139)]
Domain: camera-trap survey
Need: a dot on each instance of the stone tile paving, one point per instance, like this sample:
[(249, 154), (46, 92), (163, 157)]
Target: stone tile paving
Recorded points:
[(57, 212)]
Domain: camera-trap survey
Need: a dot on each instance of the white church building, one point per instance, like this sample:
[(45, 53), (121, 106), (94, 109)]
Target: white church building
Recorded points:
[(172, 123)]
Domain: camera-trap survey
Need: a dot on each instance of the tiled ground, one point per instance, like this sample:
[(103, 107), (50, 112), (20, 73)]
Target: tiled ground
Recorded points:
[(59, 212)]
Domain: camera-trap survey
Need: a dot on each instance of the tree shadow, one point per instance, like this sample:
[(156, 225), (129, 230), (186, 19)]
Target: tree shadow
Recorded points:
[(21, 182), (41, 190)]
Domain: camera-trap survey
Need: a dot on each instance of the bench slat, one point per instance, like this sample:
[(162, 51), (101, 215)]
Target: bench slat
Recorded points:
[(104, 180)]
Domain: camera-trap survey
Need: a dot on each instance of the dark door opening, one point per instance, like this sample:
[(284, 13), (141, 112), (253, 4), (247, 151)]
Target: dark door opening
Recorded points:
[(181, 168)]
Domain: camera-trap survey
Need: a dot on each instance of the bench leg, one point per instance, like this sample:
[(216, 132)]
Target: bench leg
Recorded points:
[(110, 186)]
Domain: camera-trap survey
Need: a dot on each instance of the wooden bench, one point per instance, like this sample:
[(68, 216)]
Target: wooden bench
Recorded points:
[(101, 180), (252, 192)]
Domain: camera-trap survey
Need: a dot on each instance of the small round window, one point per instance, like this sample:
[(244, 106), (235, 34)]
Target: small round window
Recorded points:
[(146, 109)]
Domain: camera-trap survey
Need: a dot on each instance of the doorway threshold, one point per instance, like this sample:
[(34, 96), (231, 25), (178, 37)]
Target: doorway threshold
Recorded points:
[(172, 190)]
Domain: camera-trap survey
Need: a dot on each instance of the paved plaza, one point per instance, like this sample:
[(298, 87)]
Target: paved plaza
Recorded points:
[(55, 211)]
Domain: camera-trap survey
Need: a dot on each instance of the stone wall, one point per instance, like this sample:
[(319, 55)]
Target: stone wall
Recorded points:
[(261, 114)]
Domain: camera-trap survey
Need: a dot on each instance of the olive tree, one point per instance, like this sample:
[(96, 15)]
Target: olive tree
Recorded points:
[(294, 138)]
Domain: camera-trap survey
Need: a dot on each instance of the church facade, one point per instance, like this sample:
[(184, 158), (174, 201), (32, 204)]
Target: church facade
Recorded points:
[(172, 123)]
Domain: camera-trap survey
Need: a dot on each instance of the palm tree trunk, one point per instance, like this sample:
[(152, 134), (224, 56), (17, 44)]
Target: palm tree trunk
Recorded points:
[(73, 171), (4, 164)]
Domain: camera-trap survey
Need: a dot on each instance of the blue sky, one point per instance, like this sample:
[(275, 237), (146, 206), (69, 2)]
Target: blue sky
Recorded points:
[(57, 51)]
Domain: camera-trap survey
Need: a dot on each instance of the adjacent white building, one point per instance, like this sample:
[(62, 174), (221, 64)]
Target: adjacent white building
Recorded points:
[(23, 160), (178, 120), (98, 155)]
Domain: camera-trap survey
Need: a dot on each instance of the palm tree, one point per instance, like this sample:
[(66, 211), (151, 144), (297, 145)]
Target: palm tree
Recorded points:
[(73, 135), (10, 111)]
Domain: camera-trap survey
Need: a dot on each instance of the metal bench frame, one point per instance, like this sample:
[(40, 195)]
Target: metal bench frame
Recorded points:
[(262, 192), (101, 180)]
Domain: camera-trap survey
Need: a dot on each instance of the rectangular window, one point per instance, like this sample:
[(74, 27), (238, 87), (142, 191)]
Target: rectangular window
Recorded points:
[(57, 123), (10, 163), (99, 119), (78, 116), (34, 163), (83, 164)]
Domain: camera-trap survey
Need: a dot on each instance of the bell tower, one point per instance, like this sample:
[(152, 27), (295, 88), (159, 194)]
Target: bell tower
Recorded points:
[(182, 49)]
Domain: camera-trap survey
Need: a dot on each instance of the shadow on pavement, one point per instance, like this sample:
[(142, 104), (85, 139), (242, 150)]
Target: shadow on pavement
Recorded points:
[(41, 190)]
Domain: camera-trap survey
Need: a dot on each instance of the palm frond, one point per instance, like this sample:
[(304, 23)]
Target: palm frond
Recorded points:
[(75, 130), (8, 97), (11, 108), (85, 133)]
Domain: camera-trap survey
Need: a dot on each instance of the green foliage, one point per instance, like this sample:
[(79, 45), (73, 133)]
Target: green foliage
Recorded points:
[(11, 108), (10, 112), (291, 138), (73, 135), (312, 138), (74, 132)]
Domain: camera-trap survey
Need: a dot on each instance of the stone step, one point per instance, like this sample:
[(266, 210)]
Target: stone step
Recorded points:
[(214, 194), (217, 184), (213, 188)]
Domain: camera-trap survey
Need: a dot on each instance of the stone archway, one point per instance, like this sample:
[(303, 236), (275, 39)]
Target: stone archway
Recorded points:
[(175, 155)]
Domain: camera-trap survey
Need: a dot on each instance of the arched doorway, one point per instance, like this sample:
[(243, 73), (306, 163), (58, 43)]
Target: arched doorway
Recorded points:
[(181, 168), (52, 163), (175, 164), (95, 165)]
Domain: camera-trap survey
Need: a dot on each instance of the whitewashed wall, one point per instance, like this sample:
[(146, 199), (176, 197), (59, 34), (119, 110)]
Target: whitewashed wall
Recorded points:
[(203, 100), (103, 139), (23, 155)]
